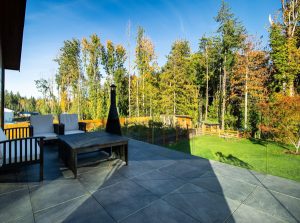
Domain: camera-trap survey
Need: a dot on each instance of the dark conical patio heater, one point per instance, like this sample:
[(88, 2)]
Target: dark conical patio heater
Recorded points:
[(113, 123)]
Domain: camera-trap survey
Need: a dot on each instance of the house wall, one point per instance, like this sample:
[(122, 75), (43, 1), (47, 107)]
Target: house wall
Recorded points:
[(2, 75)]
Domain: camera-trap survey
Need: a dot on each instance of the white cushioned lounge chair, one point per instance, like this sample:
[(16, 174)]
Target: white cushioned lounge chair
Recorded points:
[(42, 125), (70, 124), (21, 151)]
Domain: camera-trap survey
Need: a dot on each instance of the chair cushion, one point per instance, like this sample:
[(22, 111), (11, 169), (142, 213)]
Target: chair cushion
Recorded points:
[(16, 146), (70, 121), (42, 124), (48, 136), (73, 132), (2, 138), (2, 135)]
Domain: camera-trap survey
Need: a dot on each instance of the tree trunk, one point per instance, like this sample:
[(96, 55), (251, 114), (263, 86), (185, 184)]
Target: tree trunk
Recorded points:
[(78, 95), (129, 89), (174, 103), (150, 106), (129, 67), (291, 89), (220, 96), (224, 95), (246, 95), (143, 94), (206, 102), (137, 98), (200, 108)]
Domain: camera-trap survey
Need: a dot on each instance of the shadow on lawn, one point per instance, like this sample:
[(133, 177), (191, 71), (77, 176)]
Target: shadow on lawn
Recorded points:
[(269, 143), (230, 159), (259, 142)]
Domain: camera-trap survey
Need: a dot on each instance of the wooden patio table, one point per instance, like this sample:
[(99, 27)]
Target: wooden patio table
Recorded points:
[(72, 145)]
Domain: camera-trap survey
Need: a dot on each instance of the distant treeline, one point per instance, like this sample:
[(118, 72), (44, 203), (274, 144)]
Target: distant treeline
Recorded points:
[(18, 103)]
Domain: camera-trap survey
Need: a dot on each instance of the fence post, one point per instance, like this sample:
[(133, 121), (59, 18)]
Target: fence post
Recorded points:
[(152, 135), (148, 136), (164, 139), (176, 134), (187, 130)]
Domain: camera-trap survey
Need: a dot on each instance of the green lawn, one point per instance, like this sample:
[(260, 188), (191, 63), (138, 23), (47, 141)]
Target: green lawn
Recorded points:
[(261, 156)]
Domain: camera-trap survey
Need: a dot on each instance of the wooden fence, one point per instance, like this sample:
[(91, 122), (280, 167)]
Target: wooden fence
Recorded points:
[(138, 128), (216, 131)]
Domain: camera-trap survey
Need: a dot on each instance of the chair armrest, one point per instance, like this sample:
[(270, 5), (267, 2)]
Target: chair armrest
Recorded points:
[(82, 126), (30, 131), (40, 138), (59, 129)]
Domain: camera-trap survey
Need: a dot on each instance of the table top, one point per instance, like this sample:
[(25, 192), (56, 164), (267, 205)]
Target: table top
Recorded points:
[(91, 139)]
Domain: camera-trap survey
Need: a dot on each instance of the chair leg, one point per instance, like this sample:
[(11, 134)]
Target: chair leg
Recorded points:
[(41, 170)]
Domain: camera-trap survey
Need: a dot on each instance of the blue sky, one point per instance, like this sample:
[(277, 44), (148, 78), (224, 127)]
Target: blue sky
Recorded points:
[(49, 22)]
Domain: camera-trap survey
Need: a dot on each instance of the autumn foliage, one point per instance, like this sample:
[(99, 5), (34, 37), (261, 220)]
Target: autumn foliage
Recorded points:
[(281, 119)]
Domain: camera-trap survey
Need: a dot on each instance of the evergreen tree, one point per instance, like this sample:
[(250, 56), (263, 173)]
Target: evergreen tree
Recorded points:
[(146, 83), (231, 34), (92, 56), (69, 72), (179, 92), (113, 60)]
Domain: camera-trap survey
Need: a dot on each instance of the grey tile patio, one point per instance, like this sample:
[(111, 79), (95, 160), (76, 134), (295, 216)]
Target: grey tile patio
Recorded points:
[(124, 198), (52, 193), (12, 186), (134, 169), (158, 185), (280, 205), (100, 178), (25, 219), (247, 214), (82, 209), (238, 173), (225, 186), (281, 185), (159, 211), (15, 205), (151, 159), (183, 170), (202, 205)]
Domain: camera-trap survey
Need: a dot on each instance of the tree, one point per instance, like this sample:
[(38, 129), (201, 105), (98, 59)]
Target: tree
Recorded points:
[(69, 73), (139, 58), (231, 34), (146, 66), (121, 80), (284, 43), (209, 49), (249, 79), (92, 55), (113, 60), (281, 119), (179, 92), (45, 87), (129, 67), (18, 103)]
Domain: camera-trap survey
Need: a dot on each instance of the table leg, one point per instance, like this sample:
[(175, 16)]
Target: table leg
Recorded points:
[(126, 153), (122, 153), (74, 163)]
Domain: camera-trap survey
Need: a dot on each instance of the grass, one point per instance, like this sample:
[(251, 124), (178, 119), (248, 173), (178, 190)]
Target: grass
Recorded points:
[(265, 157)]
